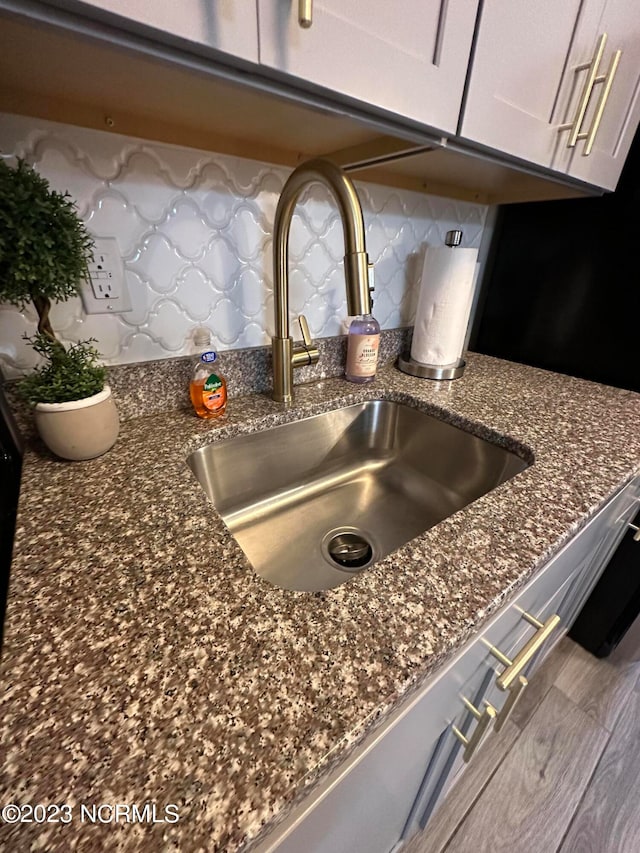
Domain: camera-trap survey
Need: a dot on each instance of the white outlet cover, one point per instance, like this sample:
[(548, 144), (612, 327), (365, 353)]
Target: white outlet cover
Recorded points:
[(106, 291)]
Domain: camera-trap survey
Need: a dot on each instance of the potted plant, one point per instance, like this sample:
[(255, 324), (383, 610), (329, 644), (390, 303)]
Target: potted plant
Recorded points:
[(44, 252)]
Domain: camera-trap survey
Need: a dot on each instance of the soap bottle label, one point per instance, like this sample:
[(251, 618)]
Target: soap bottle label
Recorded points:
[(213, 393), (362, 356)]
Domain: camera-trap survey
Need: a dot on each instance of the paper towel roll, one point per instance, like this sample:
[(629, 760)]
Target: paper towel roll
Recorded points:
[(444, 304)]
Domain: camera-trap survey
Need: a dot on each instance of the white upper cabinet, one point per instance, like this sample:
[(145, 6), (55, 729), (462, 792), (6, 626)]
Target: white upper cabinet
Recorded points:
[(409, 58), (541, 69), (554, 85), (606, 58), (521, 54), (230, 26)]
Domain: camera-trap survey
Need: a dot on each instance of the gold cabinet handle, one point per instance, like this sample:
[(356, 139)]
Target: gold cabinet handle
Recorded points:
[(484, 718), (515, 692), (305, 13), (514, 667), (589, 83), (575, 127), (607, 79)]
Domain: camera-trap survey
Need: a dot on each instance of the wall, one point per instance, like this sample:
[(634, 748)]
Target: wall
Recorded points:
[(194, 230)]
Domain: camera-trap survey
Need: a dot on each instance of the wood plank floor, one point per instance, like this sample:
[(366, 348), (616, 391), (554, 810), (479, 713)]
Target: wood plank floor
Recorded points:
[(564, 775)]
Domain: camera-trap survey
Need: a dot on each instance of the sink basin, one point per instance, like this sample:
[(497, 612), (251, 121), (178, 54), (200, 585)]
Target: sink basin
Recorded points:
[(315, 501)]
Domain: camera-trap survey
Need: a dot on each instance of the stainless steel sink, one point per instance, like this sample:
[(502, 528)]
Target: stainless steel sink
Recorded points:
[(314, 501)]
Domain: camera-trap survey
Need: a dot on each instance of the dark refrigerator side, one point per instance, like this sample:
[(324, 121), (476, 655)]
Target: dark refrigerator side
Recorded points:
[(562, 285), (562, 293), (11, 449), (614, 603)]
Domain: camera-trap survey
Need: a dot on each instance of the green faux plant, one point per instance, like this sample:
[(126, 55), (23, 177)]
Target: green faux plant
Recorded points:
[(44, 252), (68, 374), (44, 245)]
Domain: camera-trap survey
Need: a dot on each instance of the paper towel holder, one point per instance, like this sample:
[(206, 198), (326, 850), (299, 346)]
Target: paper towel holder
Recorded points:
[(432, 371)]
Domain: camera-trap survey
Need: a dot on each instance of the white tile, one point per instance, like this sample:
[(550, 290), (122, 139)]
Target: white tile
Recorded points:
[(169, 326), (228, 323), (142, 298), (113, 216), (250, 293), (195, 295), (103, 328), (140, 346), (247, 232), (219, 207), (59, 170), (186, 230), (157, 263), (147, 187), (220, 263)]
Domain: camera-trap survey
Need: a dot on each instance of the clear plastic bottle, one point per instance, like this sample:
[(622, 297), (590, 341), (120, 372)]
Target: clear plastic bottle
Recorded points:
[(362, 349), (207, 389)]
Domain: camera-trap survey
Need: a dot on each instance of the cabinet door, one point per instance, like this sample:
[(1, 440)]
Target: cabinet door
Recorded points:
[(618, 102), (230, 26), (406, 58), (521, 52)]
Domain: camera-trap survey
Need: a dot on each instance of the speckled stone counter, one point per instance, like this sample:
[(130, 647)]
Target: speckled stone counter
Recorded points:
[(146, 662)]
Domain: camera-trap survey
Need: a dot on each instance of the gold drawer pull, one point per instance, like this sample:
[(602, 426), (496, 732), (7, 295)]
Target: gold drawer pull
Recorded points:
[(608, 82), (484, 718), (515, 692), (575, 127), (514, 667), (305, 13), (589, 83), (636, 536)]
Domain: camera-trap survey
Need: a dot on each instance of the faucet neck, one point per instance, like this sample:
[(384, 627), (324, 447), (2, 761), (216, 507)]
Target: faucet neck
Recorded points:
[(355, 261)]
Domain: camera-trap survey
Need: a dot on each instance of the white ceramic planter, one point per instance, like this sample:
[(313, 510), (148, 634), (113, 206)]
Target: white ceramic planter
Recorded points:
[(80, 429)]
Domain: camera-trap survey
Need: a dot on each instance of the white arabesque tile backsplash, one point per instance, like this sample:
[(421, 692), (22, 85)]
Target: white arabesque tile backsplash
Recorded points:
[(194, 231)]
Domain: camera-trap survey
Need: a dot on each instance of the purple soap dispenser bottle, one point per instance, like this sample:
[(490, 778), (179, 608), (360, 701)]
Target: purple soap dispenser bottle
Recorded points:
[(362, 345)]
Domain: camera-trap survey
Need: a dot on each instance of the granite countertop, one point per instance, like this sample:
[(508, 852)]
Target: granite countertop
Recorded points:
[(146, 662)]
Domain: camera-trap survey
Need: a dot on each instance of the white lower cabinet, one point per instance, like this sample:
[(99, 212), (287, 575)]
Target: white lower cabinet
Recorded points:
[(391, 785)]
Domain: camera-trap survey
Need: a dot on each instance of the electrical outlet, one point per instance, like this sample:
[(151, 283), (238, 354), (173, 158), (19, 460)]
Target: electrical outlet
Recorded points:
[(106, 291)]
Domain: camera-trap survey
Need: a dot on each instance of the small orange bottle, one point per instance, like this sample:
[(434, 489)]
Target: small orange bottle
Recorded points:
[(207, 389)]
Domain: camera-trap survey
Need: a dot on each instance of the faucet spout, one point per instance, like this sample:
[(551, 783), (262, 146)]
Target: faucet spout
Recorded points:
[(356, 265)]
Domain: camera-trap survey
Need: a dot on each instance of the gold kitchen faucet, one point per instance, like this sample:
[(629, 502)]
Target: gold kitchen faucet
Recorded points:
[(286, 355)]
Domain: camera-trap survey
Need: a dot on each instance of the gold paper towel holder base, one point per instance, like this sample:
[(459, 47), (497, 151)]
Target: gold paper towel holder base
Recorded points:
[(431, 371)]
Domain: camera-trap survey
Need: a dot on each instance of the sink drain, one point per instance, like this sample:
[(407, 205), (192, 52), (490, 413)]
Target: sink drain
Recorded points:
[(347, 548)]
